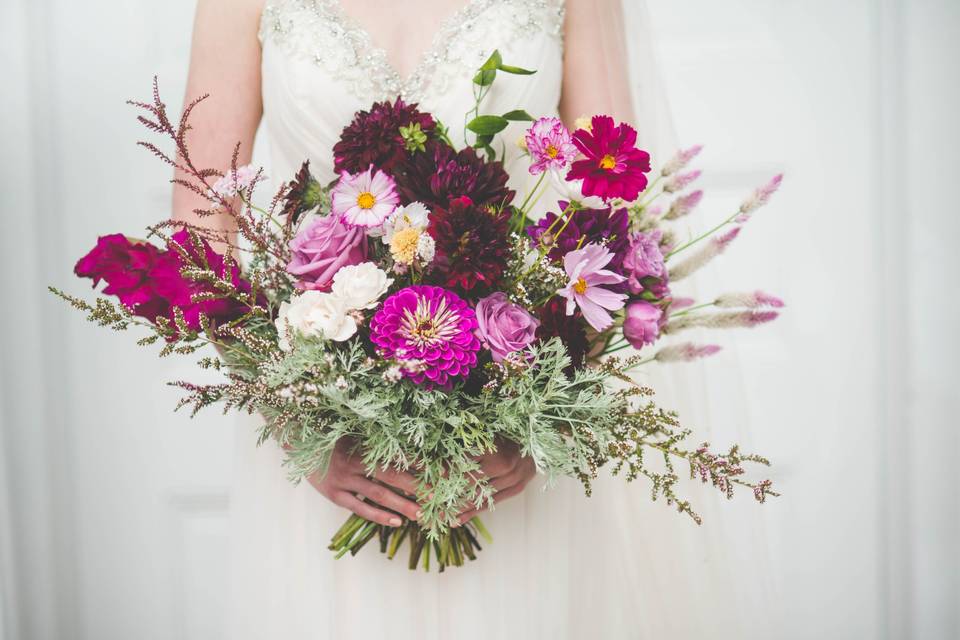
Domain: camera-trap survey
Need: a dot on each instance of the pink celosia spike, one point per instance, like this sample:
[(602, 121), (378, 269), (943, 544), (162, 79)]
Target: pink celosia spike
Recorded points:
[(686, 352), (681, 303), (681, 181), (683, 205), (729, 320), (708, 252), (749, 300), (681, 159), (759, 198)]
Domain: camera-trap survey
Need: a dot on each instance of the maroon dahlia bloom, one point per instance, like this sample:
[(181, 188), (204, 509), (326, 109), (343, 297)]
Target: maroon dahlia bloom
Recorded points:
[(472, 246), (374, 137), (554, 322), (430, 331), (441, 174)]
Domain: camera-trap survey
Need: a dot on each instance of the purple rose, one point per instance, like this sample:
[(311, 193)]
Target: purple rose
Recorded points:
[(504, 326), (641, 326), (644, 260), (321, 248)]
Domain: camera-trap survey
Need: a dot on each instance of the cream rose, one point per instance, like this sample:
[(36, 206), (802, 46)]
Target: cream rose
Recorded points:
[(315, 314), (360, 286)]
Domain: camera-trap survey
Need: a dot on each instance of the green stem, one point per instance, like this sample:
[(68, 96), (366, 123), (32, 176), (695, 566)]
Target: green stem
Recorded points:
[(702, 236)]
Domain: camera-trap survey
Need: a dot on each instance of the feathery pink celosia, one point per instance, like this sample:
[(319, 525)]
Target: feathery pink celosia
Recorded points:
[(549, 144), (585, 268), (759, 198), (683, 205), (686, 352), (365, 199), (680, 181), (680, 159), (430, 331), (613, 166), (714, 247), (749, 300)]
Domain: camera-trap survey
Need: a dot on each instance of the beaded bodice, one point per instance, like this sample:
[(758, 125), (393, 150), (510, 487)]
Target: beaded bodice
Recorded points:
[(320, 66)]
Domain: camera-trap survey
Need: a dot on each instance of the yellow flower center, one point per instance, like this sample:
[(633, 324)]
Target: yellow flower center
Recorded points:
[(403, 245), (608, 162), (552, 151), (366, 200), (580, 286)]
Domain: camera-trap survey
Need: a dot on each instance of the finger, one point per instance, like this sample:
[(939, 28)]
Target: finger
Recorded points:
[(402, 480), (506, 494), (383, 496), (365, 510), (522, 473)]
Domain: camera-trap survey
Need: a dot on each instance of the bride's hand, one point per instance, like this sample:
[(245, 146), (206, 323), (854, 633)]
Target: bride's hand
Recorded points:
[(346, 479), (507, 472)]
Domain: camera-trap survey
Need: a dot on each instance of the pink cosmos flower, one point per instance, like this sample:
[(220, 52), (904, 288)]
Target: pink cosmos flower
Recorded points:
[(365, 199), (585, 289), (613, 167), (548, 142)]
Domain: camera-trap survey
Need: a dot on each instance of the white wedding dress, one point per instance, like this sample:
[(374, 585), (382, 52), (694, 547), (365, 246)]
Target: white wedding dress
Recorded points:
[(561, 565)]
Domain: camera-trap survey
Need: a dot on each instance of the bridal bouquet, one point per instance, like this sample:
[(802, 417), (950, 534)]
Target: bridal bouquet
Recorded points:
[(414, 308)]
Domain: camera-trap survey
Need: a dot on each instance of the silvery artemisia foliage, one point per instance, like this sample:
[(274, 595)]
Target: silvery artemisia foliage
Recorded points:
[(320, 30)]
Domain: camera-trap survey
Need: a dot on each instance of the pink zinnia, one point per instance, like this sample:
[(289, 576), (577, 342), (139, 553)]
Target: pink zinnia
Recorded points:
[(587, 275), (365, 199), (430, 331), (549, 144), (614, 167)]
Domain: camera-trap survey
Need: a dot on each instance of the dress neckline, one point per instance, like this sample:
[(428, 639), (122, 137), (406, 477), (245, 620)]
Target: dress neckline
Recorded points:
[(412, 86)]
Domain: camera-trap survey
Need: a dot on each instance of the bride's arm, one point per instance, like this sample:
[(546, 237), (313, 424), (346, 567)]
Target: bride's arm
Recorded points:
[(595, 77), (225, 63)]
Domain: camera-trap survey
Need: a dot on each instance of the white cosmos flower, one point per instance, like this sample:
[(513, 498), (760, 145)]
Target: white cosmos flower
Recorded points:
[(315, 314), (360, 286), (571, 190), (414, 215)]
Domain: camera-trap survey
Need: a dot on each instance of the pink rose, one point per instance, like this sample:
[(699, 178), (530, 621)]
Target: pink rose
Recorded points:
[(504, 326), (645, 260), (321, 248), (641, 326)]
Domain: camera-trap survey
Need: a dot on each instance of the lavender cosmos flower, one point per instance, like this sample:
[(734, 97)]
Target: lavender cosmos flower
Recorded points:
[(585, 267), (365, 199), (641, 326), (505, 327), (550, 145), (431, 331)]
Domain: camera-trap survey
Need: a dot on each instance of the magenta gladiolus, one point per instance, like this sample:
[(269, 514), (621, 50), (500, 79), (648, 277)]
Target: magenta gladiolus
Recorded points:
[(585, 267), (613, 167)]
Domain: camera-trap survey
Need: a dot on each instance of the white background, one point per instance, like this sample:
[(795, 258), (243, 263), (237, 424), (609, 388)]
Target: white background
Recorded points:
[(113, 510)]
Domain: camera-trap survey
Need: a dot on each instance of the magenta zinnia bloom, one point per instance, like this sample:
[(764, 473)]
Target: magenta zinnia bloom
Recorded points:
[(431, 331), (613, 167), (365, 199), (585, 267), (549, 144)]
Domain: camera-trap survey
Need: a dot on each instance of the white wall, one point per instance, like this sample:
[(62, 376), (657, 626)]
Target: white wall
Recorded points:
[(106, 497)]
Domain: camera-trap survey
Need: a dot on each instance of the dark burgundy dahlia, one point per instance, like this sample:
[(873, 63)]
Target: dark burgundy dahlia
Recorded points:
[(471, 245), (374, 137), (441, 174), (554, 322), (602, 226), (303, 194)]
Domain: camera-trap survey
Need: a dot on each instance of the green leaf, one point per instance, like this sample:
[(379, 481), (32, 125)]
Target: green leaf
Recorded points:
[(485, 77), (518, 115), (483, 141), (519, 71), (493, 63), (487, 125)]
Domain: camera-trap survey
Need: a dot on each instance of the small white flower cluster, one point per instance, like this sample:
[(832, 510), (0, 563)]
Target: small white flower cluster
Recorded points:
[(405, 233), (238, 180), (333, 315)]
